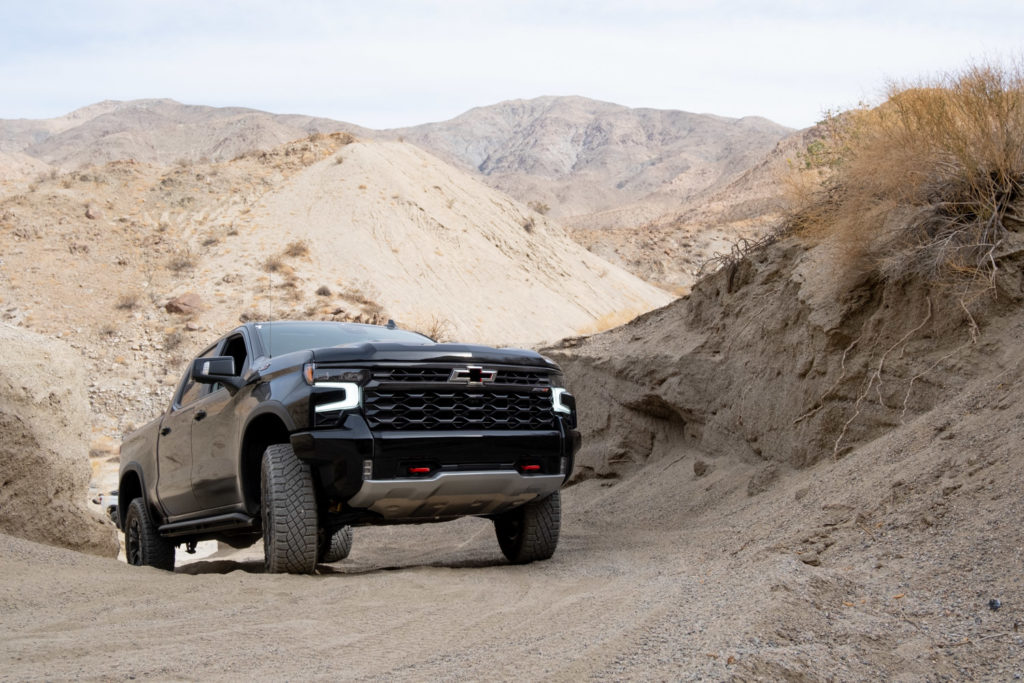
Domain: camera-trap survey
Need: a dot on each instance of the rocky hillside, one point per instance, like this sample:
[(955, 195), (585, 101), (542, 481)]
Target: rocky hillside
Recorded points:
[(671, 242), (136, 265), (579, 156)]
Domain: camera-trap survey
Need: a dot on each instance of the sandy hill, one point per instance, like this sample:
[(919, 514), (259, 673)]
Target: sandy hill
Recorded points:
[(159, 131), (580, 156), (324, 227)]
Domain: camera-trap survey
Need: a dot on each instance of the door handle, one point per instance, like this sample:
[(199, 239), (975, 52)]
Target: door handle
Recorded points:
[(200, 414), (165, 431)]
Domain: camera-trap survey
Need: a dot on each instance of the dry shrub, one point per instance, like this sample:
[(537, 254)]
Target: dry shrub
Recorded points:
[(297, 249), (539, 206), (181, 259), (273, 263), (127, 302), (927, 183), (438, 328), (173, 340)]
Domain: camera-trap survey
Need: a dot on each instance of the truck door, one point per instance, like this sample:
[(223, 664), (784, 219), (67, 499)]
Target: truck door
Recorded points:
[(174, 448), (215, 466)]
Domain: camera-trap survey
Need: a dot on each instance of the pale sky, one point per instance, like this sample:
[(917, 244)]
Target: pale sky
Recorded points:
[(388, 63)]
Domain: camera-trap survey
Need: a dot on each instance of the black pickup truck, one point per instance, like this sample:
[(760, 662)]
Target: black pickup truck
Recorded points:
[(298, 431)]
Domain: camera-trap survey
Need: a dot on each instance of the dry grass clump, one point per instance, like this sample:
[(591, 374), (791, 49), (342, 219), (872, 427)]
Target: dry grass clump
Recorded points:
[(929, 183), (438, 328), (128, 301), (297, 249), (181, 260), (273, 263)]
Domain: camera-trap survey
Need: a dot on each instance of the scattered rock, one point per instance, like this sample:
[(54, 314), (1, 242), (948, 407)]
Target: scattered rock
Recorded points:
[(994, 604), (191, 326), (700, 467), (92, 212), (188, 303)]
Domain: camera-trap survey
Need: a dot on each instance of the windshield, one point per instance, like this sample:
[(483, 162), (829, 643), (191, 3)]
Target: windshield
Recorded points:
[(286, 337)]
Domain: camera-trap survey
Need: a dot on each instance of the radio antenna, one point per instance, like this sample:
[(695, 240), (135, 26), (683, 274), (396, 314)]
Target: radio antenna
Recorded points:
[(270, 318)]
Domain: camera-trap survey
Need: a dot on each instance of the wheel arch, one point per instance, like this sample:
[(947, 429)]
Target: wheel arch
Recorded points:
[(130, 487), (265, 428)]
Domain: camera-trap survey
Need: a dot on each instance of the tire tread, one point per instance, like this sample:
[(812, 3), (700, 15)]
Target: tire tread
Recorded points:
[(289, 512), (157, 551)]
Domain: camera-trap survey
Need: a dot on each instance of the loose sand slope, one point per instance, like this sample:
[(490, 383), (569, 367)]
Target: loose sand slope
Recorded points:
[(431, 242)]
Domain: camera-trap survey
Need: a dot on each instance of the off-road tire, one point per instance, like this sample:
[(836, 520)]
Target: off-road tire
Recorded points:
[(143, 544), (530, 532), (338, 546), (288, 507)]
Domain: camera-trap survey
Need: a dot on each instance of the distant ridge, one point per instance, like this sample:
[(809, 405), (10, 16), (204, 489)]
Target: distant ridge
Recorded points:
[(581, 156), (157, 131), (572, 154)]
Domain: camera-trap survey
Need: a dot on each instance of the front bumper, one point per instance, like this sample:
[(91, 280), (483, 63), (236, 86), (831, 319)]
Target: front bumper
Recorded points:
[(466, 472)]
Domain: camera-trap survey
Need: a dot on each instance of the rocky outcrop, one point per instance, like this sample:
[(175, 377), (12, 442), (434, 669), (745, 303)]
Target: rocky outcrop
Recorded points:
[(44, 454)]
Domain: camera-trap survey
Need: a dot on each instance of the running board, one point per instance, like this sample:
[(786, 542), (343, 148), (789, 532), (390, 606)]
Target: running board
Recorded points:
[(233, 520)]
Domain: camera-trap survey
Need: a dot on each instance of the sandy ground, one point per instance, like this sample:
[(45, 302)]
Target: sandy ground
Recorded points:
[(659, 576)]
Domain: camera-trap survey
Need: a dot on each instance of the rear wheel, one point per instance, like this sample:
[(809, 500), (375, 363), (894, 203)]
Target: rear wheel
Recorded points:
[(143, 545), (530, 532), (288, 507), (338, 546)]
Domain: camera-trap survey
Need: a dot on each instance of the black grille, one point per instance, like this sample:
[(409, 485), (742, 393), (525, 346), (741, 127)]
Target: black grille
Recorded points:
[(412, 374), (430, 410), (523, 377), (439, 375)]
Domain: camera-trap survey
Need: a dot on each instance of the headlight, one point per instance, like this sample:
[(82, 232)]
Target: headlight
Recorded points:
[(349, 401), (335, 390), (320, 376), (562, 401), (555, 379)]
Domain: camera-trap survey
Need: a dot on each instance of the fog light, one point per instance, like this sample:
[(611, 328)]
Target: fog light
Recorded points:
[(367, 470), (563, 465)]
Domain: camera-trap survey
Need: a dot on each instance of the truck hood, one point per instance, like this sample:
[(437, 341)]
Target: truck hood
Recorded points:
[(429, 353)]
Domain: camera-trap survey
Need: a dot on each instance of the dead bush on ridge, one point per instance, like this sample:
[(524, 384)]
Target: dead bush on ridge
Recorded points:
[(928, 183)]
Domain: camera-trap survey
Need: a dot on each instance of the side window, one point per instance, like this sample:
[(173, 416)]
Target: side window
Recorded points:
[(235, 347), (191, 390)]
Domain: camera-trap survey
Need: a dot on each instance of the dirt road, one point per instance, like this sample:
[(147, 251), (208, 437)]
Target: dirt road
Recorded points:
[(661, 576)]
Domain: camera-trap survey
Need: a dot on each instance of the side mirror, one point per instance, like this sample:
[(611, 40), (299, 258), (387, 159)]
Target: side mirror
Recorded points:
[(217, 370)]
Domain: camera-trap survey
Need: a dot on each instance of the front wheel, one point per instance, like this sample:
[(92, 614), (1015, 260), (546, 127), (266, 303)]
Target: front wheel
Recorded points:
[(143, 545), (288, 508), (530, 532)]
